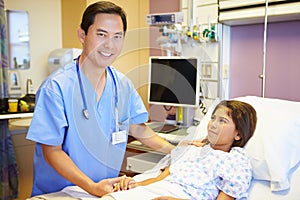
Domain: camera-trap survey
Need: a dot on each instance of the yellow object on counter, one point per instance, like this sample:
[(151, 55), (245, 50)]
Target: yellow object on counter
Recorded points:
[(24, 107), (13, 105)]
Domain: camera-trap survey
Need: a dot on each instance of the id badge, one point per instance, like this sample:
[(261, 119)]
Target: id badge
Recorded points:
[(118, 137)]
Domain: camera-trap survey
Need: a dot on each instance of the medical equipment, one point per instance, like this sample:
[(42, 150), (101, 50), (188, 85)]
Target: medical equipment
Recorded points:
[(174, 81), (61, 57), (85, 109), (164, 18)]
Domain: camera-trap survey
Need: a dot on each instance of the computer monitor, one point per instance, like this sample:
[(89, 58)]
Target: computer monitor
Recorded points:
[(174, 81)]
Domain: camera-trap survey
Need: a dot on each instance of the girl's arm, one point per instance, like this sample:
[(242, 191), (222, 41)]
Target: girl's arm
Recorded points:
[(165, 172), (129, 183), (223, 196)]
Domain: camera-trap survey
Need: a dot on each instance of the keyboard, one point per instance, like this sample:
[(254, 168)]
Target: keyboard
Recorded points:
[(172, 138), (165, 128)]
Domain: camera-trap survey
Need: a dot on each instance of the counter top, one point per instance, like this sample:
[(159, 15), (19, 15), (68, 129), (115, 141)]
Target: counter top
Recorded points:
[(15, 115)]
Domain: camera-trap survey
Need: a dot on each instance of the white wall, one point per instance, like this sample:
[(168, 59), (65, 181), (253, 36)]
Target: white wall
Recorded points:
[(45, 35)]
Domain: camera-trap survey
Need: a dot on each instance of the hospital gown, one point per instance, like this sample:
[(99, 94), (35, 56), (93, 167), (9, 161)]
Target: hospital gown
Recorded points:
[(58, 120), (202, 174), (199, 173)]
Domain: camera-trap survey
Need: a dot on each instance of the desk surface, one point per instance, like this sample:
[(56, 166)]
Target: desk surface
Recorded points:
[(173, 137)]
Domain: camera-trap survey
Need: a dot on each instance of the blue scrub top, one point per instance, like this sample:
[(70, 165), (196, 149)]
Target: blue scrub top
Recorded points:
[(58, 120)]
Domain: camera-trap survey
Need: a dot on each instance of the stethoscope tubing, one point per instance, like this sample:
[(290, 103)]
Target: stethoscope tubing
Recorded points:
[(85, 109)]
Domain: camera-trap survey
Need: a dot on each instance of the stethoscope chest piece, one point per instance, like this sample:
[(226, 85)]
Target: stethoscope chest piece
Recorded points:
[(85, 113)]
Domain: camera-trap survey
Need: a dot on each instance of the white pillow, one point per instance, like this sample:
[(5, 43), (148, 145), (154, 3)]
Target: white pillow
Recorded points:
[(274, 148)]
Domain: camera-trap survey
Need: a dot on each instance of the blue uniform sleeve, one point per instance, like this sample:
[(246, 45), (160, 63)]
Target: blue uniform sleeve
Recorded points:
[(49, 121), (138, 111), (235, 174)]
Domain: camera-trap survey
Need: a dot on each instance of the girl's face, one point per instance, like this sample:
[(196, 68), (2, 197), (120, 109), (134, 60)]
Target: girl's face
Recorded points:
[(221, 130)]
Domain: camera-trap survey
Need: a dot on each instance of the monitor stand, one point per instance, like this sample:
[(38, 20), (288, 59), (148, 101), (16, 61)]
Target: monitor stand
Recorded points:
[(185, 116)]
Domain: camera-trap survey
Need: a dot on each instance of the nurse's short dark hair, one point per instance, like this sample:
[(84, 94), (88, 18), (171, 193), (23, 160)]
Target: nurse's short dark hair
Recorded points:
[(105, 7)]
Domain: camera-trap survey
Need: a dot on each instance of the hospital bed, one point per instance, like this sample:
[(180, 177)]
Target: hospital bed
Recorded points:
[(274, 152)]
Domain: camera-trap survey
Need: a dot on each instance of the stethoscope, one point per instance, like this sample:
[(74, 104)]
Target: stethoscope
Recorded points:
[(85, 110)]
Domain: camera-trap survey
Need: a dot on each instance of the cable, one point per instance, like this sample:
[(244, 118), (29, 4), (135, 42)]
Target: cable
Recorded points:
[(168, 109), (202, 107)]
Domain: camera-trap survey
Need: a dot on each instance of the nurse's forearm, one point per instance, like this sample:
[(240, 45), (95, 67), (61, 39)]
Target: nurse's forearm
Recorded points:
[(148, 137), (62, 163), (157, 143)]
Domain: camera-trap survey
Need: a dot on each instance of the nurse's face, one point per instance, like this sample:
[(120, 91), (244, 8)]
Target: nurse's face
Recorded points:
[(221, 130), (104, 40)]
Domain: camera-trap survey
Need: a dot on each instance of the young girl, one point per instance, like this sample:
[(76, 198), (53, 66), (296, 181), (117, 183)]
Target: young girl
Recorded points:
[(218, 168)]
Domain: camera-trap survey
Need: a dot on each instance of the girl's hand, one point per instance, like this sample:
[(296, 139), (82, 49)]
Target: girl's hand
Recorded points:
[(126, 183), (197, 143)]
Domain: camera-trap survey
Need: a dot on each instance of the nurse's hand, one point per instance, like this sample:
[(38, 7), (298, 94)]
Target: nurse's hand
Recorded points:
[(125, 184), (105, 186)]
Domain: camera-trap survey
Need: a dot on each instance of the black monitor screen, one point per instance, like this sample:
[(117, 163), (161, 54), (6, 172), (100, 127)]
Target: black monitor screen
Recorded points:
[(174, 81)]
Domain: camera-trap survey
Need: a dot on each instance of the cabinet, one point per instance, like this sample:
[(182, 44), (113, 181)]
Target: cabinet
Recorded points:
[(237, 12), (138, 161), (282, 60), (138, 158), (228, 4), (24, 151), (201, 11)]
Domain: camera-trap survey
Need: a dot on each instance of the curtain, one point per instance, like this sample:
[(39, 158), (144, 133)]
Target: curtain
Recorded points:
[(8, 163)]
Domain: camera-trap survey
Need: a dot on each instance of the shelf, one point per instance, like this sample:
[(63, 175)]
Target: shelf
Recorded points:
[(15, 115)]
